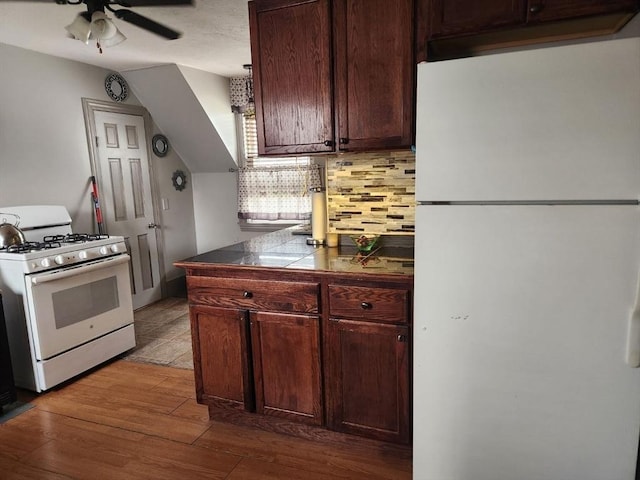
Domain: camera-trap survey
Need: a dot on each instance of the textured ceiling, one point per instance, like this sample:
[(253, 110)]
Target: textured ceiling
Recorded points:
[(215, 35)]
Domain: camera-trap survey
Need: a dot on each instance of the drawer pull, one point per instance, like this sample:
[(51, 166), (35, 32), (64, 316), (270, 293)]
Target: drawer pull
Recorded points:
[(247, 295), (366, 305)]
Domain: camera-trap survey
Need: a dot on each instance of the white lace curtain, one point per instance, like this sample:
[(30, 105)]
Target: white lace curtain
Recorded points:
[(276, 193)]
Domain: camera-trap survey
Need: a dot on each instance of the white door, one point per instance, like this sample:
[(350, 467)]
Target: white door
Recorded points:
[(125, 197), (521, 317)]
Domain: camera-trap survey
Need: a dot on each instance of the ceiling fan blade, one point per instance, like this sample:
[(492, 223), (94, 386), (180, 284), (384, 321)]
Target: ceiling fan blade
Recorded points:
[(147, 24), (150, 3)]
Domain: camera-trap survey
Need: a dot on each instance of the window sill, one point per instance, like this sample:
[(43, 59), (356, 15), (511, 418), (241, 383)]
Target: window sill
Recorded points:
[(266, 227)]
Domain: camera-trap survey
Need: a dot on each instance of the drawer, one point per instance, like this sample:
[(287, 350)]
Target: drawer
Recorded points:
[(254, 294), (380, 304)]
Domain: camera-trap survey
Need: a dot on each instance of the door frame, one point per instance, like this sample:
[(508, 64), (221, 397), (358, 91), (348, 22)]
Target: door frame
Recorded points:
[(89, 107)]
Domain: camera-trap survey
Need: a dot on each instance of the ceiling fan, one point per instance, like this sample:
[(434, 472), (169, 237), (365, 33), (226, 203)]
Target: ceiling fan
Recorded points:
[(95, 24)]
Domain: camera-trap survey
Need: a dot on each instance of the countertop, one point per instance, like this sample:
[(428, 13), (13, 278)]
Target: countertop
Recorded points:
[(284, 249)]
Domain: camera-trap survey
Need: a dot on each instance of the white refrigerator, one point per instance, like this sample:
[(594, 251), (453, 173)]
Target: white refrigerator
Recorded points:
[(527, 265)]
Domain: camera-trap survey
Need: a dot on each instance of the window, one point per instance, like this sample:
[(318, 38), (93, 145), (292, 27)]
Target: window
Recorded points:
[(273, 190)]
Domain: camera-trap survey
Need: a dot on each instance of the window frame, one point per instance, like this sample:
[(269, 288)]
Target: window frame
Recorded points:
[(248, 156)]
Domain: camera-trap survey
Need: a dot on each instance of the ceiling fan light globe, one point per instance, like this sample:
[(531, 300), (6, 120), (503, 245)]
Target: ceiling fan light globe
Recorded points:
[(80, 29), (114, 40), (105, 31)]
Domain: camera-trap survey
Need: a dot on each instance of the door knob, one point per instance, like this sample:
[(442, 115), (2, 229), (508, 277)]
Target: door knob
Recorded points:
[(153, 226)]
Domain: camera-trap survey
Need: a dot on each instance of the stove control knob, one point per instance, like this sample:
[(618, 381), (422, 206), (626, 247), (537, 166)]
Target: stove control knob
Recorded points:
[(59, 259), (115, 248), (45, 262), (104, 251), (83, 255)]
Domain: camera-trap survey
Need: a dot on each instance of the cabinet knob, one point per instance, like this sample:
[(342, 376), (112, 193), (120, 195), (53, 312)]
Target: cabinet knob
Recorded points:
[(328, 143), (344, 141), (402, 338), (247, 295), (535, 8), (366, 305)]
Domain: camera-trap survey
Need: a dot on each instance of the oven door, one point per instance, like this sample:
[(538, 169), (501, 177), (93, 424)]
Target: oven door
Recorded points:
[(73, 305)]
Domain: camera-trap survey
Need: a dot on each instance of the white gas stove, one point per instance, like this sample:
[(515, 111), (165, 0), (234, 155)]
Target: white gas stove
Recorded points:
[(71, 291)]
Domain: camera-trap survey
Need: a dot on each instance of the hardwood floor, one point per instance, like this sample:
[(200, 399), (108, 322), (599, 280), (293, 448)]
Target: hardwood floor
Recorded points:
[(130, 420)]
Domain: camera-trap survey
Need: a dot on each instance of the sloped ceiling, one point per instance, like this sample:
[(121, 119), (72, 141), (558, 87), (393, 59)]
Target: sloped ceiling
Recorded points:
[(192, 108)]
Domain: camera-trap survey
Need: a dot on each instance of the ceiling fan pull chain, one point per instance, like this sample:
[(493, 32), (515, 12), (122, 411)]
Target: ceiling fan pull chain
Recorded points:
[(98, 45)]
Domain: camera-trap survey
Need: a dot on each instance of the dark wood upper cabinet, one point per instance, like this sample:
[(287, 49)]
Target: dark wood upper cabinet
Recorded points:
[(451, 18), (462, 28), (293, 86), (547, 10), (332, 75), (374, 71), (455, 17)]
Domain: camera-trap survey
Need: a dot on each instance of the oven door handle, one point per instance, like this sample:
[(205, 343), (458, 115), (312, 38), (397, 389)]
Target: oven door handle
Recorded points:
[(72, 272)]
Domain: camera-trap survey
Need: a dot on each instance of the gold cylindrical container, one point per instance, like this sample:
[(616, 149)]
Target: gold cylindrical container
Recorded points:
[(332, 239), (318, 215)]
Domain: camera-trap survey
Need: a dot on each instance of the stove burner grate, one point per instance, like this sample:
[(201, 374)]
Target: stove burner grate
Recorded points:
[(28, 247), (75, 238)]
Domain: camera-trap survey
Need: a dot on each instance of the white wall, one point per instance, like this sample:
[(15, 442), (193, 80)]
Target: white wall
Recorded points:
[(213, 93), (178, 221), (179, 113), (215, 201), (44, 157)]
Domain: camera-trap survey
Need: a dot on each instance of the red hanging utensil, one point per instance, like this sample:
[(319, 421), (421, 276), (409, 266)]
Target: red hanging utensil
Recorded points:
[(96, 205)]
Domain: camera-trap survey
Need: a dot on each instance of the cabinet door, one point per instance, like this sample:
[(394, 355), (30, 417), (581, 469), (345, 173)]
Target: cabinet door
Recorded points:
[(222, 366), (368, 379), (286, 358), (374, 71), (291, 55), (454, 17), (545, 10)]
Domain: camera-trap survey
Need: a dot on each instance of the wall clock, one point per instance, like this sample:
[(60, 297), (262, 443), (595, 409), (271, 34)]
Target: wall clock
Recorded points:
[(116, 87)]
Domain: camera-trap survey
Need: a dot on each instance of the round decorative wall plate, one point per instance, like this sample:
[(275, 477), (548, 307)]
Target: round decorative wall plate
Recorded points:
[(116, 87), (179, 180), (160, 145)]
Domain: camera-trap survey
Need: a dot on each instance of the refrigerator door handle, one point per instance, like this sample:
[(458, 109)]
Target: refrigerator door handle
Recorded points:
[(633, 334)]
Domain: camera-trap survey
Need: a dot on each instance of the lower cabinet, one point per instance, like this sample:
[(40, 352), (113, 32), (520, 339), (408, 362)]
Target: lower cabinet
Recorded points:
[(327, 355), (367, 386), (367, 345), (222, 362), (263, 362), (286, 365)]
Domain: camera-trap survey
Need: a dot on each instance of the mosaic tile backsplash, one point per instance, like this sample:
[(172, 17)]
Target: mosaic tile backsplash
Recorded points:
[(371, 192)]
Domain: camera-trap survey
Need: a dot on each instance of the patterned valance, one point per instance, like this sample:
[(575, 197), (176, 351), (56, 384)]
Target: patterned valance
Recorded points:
[(241, 93)]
